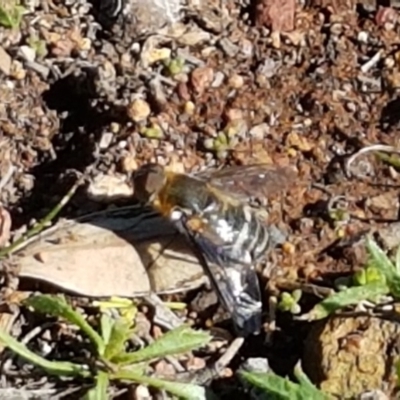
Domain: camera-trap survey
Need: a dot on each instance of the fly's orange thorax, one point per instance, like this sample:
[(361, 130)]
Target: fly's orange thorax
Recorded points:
[(184, 192), (171, 194)]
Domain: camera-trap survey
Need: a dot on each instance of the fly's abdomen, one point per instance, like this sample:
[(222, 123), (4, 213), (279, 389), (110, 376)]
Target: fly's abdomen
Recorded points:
[(246, 238), (259, 240)]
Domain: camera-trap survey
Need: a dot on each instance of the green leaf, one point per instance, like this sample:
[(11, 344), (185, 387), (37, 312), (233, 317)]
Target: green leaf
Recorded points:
[(345, 298), (59, 368), (397, 261), (394, 286), (281, 388), (182, 390), (99, 391), (120, 333), (106, 324), (57, 306), (398, 371), (303, 379), (368, 275), (5, 18), (175, 305), (380, 260), (11, 16), (179, 340)]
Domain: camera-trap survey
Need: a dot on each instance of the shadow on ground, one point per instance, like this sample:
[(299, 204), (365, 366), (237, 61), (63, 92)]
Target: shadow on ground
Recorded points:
[(82, 122)]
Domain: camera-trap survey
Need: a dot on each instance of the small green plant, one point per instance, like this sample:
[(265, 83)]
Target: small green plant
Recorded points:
[(289, 302), (11, 13), (392, 160), (113, 361), (380, 277), (152, 132), (274, 387), (174, 66), (38, 45), (226, 139)]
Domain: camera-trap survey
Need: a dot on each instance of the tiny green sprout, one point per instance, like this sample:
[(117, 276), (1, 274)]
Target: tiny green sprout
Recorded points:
[(393, 160), (11, 13), (289, 302), (222, 139), (152, 132), (218, 144), (296, 294), (174, 65), (38, 45), (126, 307), (338, 215), (360, 278), (368, 275)]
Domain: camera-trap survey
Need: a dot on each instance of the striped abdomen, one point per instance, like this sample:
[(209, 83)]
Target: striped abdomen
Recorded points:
[(245, 236)]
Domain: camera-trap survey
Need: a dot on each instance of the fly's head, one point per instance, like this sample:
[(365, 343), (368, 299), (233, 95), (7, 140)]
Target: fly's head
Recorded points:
[(148, 181)]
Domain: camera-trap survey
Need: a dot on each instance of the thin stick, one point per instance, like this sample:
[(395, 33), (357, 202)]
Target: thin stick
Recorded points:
[(207, 374), (376, 147), (230, 352), (7, 176), (371, 62), (42, 224)]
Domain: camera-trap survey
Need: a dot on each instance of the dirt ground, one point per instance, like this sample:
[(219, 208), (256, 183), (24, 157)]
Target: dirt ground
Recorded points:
[(306, 84)]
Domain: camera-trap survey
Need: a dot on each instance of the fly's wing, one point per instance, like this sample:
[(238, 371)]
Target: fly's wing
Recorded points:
[(249, 181), (235, 282)]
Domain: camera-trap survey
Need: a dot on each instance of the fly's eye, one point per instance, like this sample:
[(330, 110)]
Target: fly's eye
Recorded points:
[(154, 181), (148, 181)]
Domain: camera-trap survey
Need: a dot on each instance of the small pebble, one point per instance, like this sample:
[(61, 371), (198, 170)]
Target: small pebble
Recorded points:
[(17, 70), (363, 37), (233, 114), (218, 79), (195, 364), (190, 107), (299, 142), (164, 368), (246, 48), (105, 140), (226, 373), (44, 348), (142, 393), (236, 81), (201, 78), (138, 110), (193, 38), (154, 55), (288, 248), (85, 44), (256, 364), (115, 127), (27, 53), (389, 62), (259, 131)]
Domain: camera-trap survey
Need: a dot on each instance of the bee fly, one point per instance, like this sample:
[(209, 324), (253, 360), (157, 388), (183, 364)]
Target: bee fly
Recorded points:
[(227, 235)]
